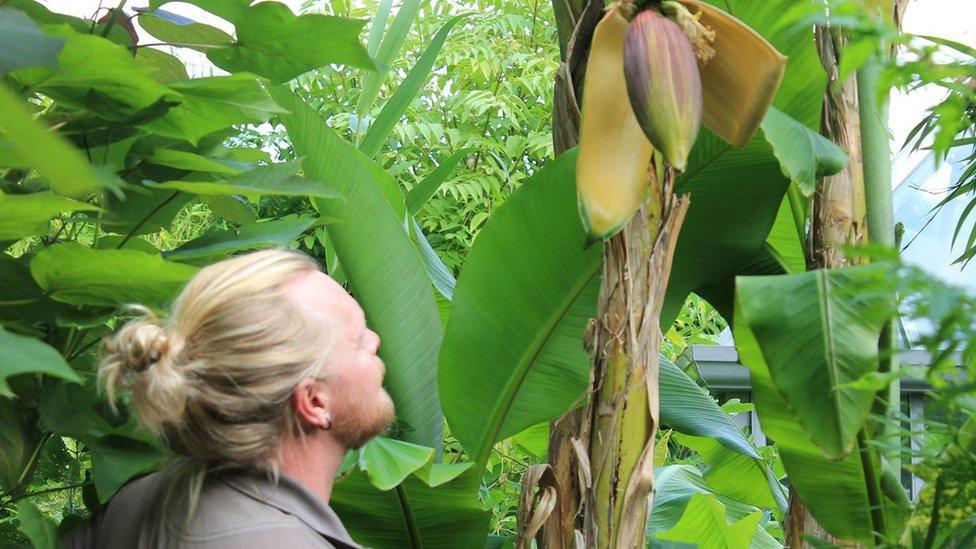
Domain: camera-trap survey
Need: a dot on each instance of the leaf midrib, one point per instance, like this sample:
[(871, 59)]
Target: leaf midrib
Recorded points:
[(829, 351), (500, 412)]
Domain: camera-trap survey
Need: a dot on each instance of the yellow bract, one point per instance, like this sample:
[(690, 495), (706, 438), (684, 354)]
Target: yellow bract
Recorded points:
[(739, 83), (611, 171)]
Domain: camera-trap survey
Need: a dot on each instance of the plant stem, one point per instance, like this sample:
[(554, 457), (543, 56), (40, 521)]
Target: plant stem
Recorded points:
[(936, 511), (876, 157), (139, 225), (49, 490), (112, 18), (799, 216), (408, 519), (873, 488)]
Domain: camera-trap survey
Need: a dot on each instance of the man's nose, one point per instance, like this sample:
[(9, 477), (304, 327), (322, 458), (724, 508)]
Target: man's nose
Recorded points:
[(376, 343)]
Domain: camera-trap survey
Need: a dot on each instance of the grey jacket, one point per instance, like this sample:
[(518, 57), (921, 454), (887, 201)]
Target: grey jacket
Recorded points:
[(236, 509)]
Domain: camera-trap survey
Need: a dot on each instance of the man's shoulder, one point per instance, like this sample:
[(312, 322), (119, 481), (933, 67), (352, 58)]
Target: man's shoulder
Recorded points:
[(223, 517)]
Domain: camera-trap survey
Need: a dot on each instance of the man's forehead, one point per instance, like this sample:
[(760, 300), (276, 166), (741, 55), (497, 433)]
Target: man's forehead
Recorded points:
[(317, 292)]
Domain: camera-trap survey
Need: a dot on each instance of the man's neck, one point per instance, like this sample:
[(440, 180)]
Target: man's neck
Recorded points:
[(313, 461)]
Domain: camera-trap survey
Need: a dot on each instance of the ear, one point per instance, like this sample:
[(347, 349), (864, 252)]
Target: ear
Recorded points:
[(311, 403)]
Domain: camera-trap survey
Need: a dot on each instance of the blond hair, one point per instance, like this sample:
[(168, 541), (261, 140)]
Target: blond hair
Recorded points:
[(214, 379)]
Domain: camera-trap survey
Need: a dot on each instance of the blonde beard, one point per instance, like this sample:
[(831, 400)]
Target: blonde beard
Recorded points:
[(356, 422)]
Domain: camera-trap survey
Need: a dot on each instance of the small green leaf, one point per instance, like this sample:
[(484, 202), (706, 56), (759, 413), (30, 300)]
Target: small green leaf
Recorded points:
[(803, 154), (97, 76), (191, 35), (397, 104), (74, 274), (435, 474), (221, 243), (39, 528), (277, 179), (165, 68), (235, 209), (28, 355), (275, 43), (24, 44), (189, 161), (28, 214), (388, 462), (213, 104), (421, 192)]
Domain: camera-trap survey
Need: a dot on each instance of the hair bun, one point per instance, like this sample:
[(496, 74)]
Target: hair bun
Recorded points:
[(142, 356)]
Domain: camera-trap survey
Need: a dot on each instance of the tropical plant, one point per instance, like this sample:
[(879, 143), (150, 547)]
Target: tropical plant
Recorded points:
[(422, 154)]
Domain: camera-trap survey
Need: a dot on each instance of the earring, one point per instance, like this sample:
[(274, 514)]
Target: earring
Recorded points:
[(328, 423)]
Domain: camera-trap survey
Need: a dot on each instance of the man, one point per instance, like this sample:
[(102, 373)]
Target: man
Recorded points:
[(261, 378)]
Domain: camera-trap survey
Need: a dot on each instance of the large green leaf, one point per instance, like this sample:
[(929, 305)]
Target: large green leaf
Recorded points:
[(74, 274), (703, 524), (64, 167), (835, 491), (27, 355), (818, 334), (405, 93), (143, 210), (28, 214), (513, 353), (413, 515), (785, 241), (735, 475), (23, 44), (19, 437), (117, 458), (71, 410), (675, 485), (689, 409), (382, 266), (736, 193)]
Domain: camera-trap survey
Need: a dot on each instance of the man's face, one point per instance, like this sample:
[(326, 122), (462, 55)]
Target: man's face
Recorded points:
[(359, 406)]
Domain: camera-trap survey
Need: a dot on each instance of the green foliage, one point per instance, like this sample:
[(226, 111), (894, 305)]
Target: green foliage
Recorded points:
[(381, 265), (117, 179), (512, 355)]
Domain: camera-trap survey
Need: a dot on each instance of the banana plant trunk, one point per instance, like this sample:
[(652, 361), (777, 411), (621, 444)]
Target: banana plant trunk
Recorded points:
[(602, 454), (838, 217), (621, 418), (846, 204)]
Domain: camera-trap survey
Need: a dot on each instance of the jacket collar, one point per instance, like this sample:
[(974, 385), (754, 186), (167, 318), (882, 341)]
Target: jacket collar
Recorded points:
[(291, 497)]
